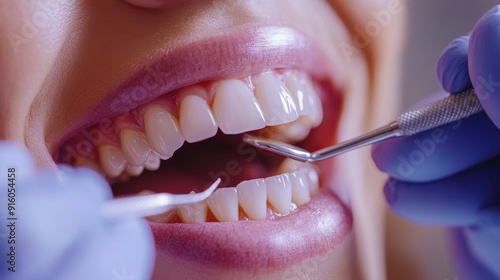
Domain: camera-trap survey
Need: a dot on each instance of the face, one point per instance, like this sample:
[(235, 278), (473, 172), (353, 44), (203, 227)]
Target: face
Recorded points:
[(155, 96)]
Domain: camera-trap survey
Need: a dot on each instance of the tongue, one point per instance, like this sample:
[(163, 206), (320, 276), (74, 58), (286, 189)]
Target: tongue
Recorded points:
[(195, 166)]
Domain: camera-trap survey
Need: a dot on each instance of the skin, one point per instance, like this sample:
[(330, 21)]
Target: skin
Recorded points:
[(81, 48)]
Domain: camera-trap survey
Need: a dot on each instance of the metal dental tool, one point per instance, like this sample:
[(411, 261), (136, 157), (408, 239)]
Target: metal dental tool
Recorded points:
[(149, 205), (444, 111)]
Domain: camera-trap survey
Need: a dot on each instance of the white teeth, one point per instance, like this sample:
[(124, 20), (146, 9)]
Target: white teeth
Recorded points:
[(300, 189), (236, 109), (193, 213), (276, 102), (252, 198), (279, 193), (133, 170), (153, 162), (135, 146), (292, 132), (305, 180), (290, 109), (162, 131), (196, 119), (316, 110), (297, 91), (312, 178), (224, 204), (112, 160), (306, 98)]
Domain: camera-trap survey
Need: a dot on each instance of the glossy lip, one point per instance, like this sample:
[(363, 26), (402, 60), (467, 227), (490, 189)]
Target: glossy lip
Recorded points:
[(257, 246), (319, 226), (237, 53)]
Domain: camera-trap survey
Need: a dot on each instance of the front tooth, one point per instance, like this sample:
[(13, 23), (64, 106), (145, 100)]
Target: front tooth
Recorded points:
[(307, 100), (196, 119), (153, 162), (279, 193), (292, 132), (275, 100), (193, 213), (236, 109), (112, 160), (224, 204), (252, 198), (312, 178), (316, 111), (297, 91), (162, 131), (289, 165), (300, 188), (135, 146), (134, 170)]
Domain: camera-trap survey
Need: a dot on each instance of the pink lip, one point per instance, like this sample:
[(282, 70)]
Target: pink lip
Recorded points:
[(250, 246), (237, 53)]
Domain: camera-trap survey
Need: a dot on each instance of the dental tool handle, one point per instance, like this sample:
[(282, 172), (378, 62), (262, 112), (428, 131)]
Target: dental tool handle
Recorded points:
[(444, 111), (447, 110)]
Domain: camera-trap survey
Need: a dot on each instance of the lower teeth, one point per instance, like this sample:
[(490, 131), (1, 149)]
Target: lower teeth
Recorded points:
[(257, 199)]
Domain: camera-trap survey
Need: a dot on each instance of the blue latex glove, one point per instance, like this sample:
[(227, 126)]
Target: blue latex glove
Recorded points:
[(59, 233), (451, 175)]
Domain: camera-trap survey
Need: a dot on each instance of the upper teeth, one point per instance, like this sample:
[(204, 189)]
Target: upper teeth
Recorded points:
[(287, 102)]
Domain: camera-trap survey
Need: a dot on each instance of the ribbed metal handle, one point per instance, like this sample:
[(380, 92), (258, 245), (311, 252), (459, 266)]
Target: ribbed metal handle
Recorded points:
[(447, 110)]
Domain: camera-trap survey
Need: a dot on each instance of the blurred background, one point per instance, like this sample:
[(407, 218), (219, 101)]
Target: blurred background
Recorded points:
[(417, 251), (432, 25)]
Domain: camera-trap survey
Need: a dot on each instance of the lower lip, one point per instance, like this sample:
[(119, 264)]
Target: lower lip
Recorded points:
[(249, 246)]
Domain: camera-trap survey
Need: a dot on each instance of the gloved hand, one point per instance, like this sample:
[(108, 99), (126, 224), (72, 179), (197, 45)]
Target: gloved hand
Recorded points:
[(59, 232), (451, 175)]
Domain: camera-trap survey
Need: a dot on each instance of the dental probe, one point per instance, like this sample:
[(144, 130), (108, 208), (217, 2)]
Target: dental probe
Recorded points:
[(444, 111), (152, 204)]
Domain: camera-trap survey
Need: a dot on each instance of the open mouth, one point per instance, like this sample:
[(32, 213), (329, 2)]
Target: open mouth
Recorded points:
[(184, 139)]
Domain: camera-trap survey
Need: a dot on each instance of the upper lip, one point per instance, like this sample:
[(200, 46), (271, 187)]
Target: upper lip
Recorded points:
[(236, 53)]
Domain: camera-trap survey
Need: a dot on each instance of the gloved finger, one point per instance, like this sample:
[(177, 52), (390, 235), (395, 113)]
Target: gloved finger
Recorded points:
[(16, 156), (122, 250), (484, 62), (50, 217), (484, 244), (452, 66), (440, 152), (454, 201), (86, 181), (60, 230)]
